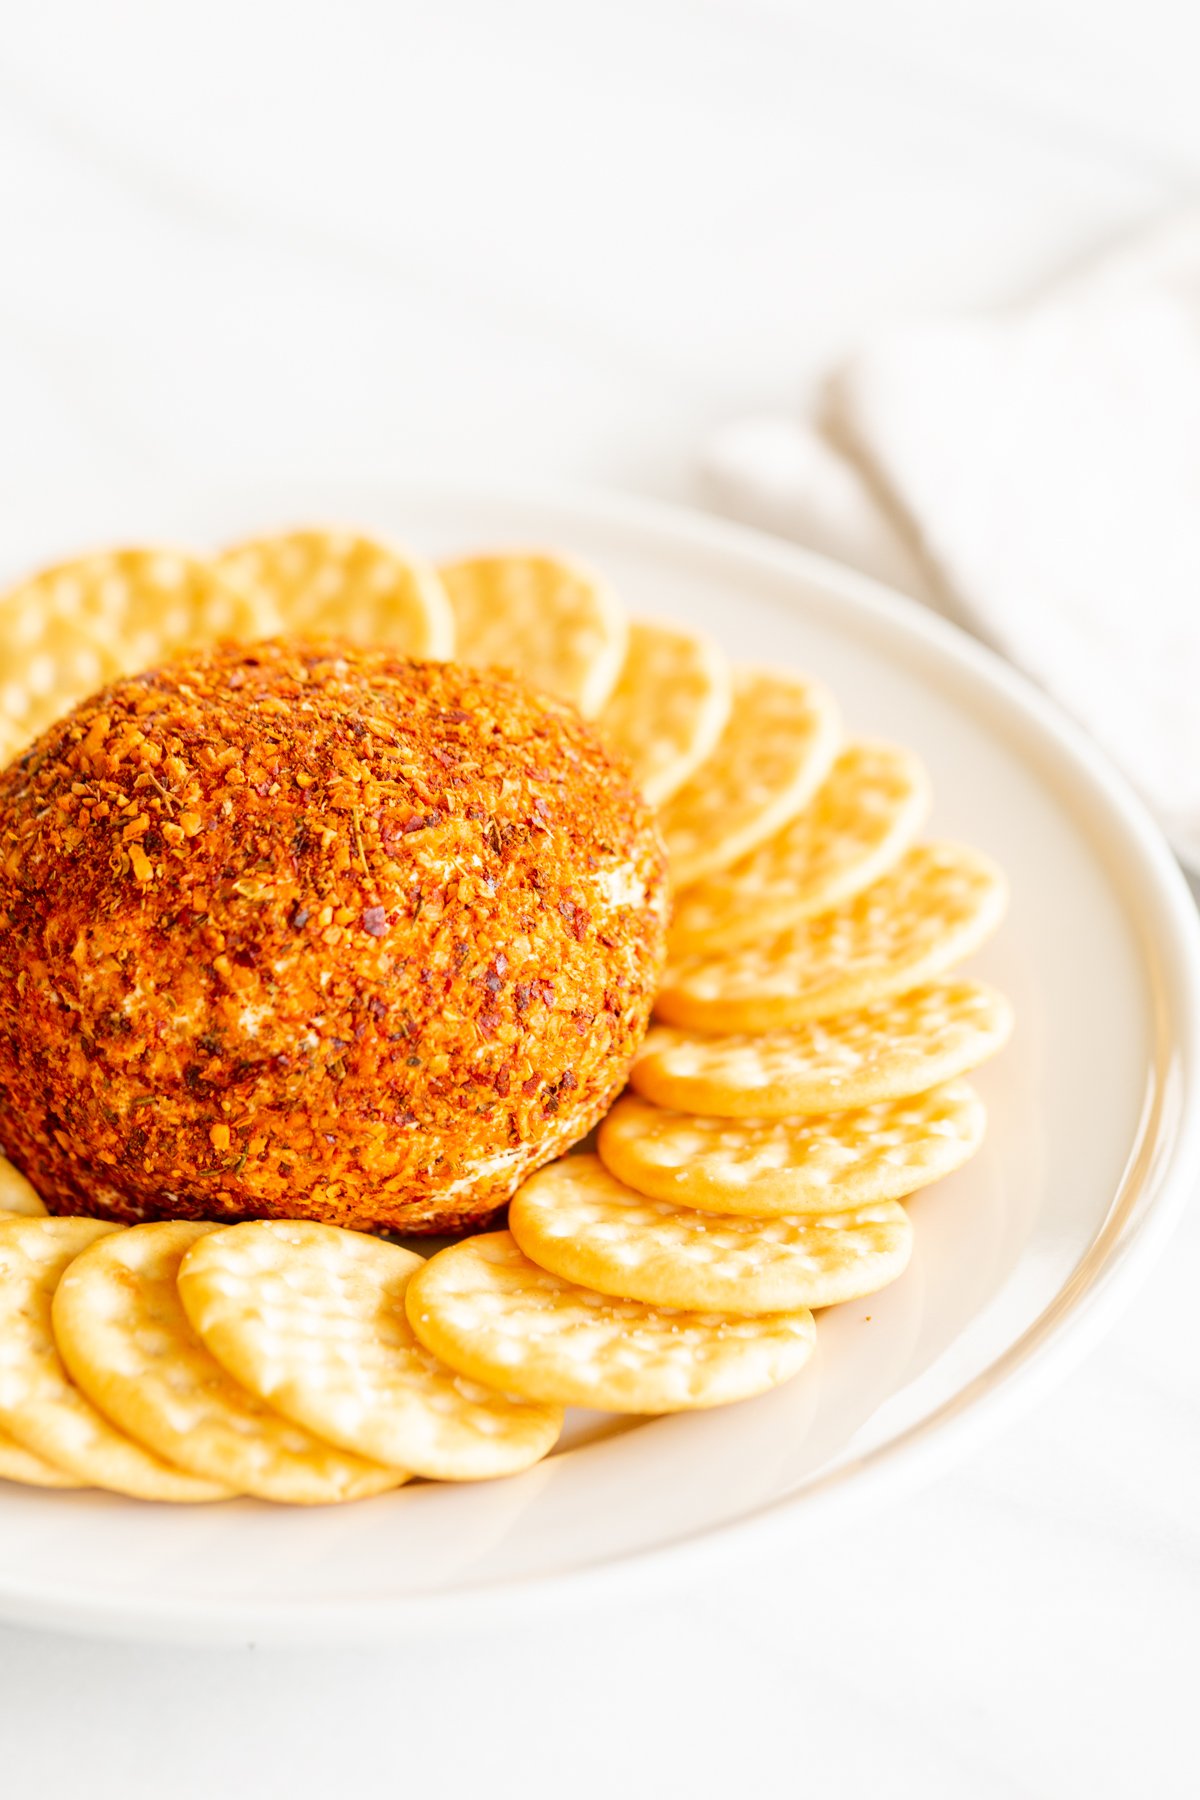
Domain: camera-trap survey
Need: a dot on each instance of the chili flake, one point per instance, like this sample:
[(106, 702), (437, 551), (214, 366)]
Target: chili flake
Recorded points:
[(335, 837)]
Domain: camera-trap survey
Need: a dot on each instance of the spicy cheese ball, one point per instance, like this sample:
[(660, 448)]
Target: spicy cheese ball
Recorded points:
[(307, 930)]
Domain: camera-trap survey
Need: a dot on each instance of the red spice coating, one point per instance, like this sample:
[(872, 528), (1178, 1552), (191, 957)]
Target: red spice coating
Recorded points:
[(311, 931)]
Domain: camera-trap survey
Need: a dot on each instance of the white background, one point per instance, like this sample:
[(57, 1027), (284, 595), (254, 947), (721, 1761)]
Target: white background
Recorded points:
[(543, 239)]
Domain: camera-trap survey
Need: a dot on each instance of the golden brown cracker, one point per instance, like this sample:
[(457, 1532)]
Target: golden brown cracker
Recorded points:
[(17, 1195), (860, 821), (903, 1045), (579, 1222), (483, 1307), (67, 630), (815, 1162), (343, 584), (552, 621), (775, 751), (21, 1465), (670, 705), (939, 903), (126, 1340), (311, 1319), (40, 1405)]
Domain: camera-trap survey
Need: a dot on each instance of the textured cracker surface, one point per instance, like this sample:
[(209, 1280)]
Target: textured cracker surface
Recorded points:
[(775, 751), (484, 1307), (126, 1340), (16, 1194), (312, 1320), (899, 1046), (342, 584), (938, 904), (40, 1405), (71, 628), (552, 621), (19, 1464), (813, 1163), (577, 1220), (669, 706), (860, 821)]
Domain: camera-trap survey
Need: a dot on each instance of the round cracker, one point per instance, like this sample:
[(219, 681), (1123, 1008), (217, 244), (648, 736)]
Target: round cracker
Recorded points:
[(553, 621), (775, 751), (819, 1162), (126, 1340), (47, 663), (68, 630), (863, 817), (17, 1195), (899, 1046), (579, 1222), (485, 1309), (937, 905), (40, 1406), (343, 584), (670, 705), (19, 1464), (311, 1319)]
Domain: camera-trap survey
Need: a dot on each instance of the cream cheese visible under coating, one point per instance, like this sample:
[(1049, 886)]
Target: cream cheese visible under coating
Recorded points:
[(315, 931)]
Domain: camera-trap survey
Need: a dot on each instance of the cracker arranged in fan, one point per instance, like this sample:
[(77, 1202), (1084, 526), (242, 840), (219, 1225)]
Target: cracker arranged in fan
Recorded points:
[(670, 705), (553, 621), (342, 584), (815, 1162), (806, 1077), (40, 1405), (772, 756), (126, 1340), (486, 1309), (939, 903), (18, 1195), (66, 631), (579, 1222), (861, 820), (46, 662), (19, 1464), (311, 1319), (899, 1046)]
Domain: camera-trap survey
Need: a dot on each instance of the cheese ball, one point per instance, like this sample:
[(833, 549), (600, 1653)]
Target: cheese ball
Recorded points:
[(305, 930)]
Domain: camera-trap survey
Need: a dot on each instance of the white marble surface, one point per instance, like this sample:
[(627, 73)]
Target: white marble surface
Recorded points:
[(554, 239)]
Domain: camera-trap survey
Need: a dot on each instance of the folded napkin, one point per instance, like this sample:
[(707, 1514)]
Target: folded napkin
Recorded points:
[(1035, 473)]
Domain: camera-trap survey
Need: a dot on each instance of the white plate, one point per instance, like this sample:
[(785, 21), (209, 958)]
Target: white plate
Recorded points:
[(1022, 1258)]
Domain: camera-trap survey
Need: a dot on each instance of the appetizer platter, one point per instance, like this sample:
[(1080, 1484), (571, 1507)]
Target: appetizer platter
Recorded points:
[(501, 1032)]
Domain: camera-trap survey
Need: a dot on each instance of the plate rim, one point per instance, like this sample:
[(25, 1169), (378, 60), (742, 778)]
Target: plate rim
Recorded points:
[(1156, 1185)]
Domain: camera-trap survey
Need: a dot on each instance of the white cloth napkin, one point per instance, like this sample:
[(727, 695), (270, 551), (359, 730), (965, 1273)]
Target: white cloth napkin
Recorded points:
[(1035, 473)]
